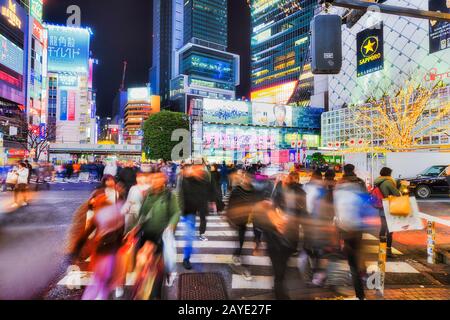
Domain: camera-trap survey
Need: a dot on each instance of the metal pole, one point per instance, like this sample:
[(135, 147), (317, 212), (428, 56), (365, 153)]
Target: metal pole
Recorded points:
[(431, 235), (389, 9), (381, 268)]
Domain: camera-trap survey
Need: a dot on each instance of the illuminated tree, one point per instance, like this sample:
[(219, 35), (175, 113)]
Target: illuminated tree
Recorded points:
[(402, 118)]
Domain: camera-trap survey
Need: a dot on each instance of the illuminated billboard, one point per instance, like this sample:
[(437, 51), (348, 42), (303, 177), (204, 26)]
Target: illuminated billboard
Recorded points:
[(226, 111), (36, 9), (139, 94), (68, 49), (279, 94), (11, 56), (370, 52), (209, 67), (439, 35), (266, 114)]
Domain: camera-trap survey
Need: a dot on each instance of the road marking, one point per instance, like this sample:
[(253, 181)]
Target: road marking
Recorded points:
[(76, 279), (368, 236), (376, 249), (220, 244), (257, 282), (220, 233)]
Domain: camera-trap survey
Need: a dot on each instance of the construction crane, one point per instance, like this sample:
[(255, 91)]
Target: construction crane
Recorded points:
[(124, 73)]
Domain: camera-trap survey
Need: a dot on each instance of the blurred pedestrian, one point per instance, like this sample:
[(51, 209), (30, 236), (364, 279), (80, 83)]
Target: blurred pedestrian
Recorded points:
[(135, 199), (127, 177), (224, 178), (20, 191), (348, 206), (289, 205), (194, 194), (160, 211), (388, 187), (239, 210)]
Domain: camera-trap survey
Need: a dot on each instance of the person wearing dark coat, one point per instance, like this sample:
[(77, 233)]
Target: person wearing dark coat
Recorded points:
[(127, 178)]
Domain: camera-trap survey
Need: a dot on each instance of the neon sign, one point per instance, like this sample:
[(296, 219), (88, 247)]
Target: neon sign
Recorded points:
[(10, 14)]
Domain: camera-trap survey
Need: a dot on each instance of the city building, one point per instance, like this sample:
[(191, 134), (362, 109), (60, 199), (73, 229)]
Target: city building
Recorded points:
[(168, 17), (14, 48), (71, 101), (118, 111), (140, 105), (381, 52), (280, 67), (37, 70), (241, 131), (202, 66)]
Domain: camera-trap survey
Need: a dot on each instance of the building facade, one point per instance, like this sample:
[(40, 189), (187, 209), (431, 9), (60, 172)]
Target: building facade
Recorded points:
[(71, 101), (400, 48), (168, 17), (242, 131), (202, 66), (140, 105), (280, 67), (14, 47)]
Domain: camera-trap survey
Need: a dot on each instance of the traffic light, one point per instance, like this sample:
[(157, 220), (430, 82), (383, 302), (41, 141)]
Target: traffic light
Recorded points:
[(326, 44)]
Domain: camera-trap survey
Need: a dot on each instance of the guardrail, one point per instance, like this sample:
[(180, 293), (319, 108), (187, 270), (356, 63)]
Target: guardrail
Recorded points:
[(431, 234)]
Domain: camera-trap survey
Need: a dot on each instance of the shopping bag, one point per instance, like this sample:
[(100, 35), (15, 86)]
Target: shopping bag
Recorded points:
[(400, 206), (170, 250), (11, 178)]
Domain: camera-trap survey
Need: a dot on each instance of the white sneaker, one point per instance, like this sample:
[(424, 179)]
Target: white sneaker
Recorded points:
[(119, 292), (247, 275), (24, 204), (171, 279), (202, 237), (237, 260)]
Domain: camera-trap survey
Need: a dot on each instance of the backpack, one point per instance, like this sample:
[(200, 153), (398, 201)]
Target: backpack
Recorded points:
[(376, 198)]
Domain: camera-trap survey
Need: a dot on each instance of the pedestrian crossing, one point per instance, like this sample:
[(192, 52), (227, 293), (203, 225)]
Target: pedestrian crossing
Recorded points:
[(223, 241)]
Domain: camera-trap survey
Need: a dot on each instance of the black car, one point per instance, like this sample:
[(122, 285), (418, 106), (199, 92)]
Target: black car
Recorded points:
[(433, 181)]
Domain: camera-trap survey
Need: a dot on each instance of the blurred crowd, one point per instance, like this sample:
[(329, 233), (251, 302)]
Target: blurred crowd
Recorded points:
[(127, 225)]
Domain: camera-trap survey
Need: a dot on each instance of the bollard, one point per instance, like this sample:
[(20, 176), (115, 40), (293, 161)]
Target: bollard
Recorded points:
[(381, 267), (431, 240)]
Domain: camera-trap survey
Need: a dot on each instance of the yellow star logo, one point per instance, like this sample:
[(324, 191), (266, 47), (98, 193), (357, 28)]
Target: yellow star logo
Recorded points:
[(369, 47)]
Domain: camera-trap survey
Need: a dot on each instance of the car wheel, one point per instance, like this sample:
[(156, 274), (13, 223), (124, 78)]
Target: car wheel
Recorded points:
[(423, 192)]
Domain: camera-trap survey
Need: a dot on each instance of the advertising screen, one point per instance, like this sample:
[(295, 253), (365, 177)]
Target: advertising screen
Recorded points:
[(13, 17), (226, 111), (71, 102), (275, 94), (265, 114), (11, 56), (210, 67), (139, 94), (67, 80), (370, 53), (439, 31), (36, 9), (63, 105), (68, 49)]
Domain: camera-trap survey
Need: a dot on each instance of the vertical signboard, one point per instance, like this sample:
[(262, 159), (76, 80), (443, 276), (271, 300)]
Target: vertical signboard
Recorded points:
[(439, 35), (370, 53), (71, 101), (63, 105)]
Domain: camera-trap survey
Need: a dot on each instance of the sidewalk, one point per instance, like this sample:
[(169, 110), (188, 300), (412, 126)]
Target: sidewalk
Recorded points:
[(413, 294)]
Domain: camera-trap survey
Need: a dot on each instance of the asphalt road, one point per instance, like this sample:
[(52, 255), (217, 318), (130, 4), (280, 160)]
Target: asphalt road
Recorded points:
[(32, 239)]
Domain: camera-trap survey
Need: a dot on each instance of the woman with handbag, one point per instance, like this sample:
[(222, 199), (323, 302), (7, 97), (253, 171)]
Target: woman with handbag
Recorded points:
[(388, 187)]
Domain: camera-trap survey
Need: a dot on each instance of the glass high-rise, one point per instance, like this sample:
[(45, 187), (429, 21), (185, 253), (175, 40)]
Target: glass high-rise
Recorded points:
[(168, 16), (206, 20), (203, 67), (280, 69)]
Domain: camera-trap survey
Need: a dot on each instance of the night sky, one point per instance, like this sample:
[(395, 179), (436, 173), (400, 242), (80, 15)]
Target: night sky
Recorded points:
[(123, 31)]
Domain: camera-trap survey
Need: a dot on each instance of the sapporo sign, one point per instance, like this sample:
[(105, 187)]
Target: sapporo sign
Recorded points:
[(370, 52)]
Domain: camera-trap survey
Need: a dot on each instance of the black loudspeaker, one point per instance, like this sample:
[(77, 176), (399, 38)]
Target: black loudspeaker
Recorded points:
[(326, 44)]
